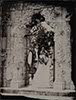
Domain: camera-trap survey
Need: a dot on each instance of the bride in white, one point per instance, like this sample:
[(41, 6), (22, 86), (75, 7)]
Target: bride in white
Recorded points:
[(41, 77)]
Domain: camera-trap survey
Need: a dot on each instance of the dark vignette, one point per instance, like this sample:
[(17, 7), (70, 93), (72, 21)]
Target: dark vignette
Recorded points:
[(70, 5)]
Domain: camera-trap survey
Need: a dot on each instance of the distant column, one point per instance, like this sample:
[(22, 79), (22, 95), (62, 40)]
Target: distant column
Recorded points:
[(58, 62)]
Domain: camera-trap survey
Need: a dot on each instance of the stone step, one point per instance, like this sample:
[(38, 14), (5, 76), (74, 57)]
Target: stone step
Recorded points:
[(48, 94), (40, 97)]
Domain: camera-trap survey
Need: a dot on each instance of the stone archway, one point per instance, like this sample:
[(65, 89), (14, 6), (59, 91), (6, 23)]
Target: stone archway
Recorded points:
[(14, 46)]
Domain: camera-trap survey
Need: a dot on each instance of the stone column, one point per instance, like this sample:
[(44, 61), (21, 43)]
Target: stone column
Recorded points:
[(58, 61), (67, 62), (14, 69), (63, 65)]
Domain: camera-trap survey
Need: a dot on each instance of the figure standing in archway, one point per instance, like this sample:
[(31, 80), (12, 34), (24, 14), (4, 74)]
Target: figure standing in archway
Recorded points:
[(42, 39)]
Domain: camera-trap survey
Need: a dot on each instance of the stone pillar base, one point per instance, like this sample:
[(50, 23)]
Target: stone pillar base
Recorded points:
[(60, 86), (57, 85), (72, 87), (17, 84)]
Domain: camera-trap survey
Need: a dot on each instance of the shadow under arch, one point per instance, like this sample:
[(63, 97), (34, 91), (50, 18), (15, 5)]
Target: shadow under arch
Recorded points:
[(73, 45), (72, 23)]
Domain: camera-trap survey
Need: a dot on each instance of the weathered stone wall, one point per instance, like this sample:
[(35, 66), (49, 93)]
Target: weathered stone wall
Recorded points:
[(14, 72), (63, 52)]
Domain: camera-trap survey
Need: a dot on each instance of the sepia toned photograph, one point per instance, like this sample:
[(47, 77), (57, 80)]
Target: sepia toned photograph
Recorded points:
[(37, 50)]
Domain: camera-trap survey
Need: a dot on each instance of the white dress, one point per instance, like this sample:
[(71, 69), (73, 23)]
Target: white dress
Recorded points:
[(41, 78)]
